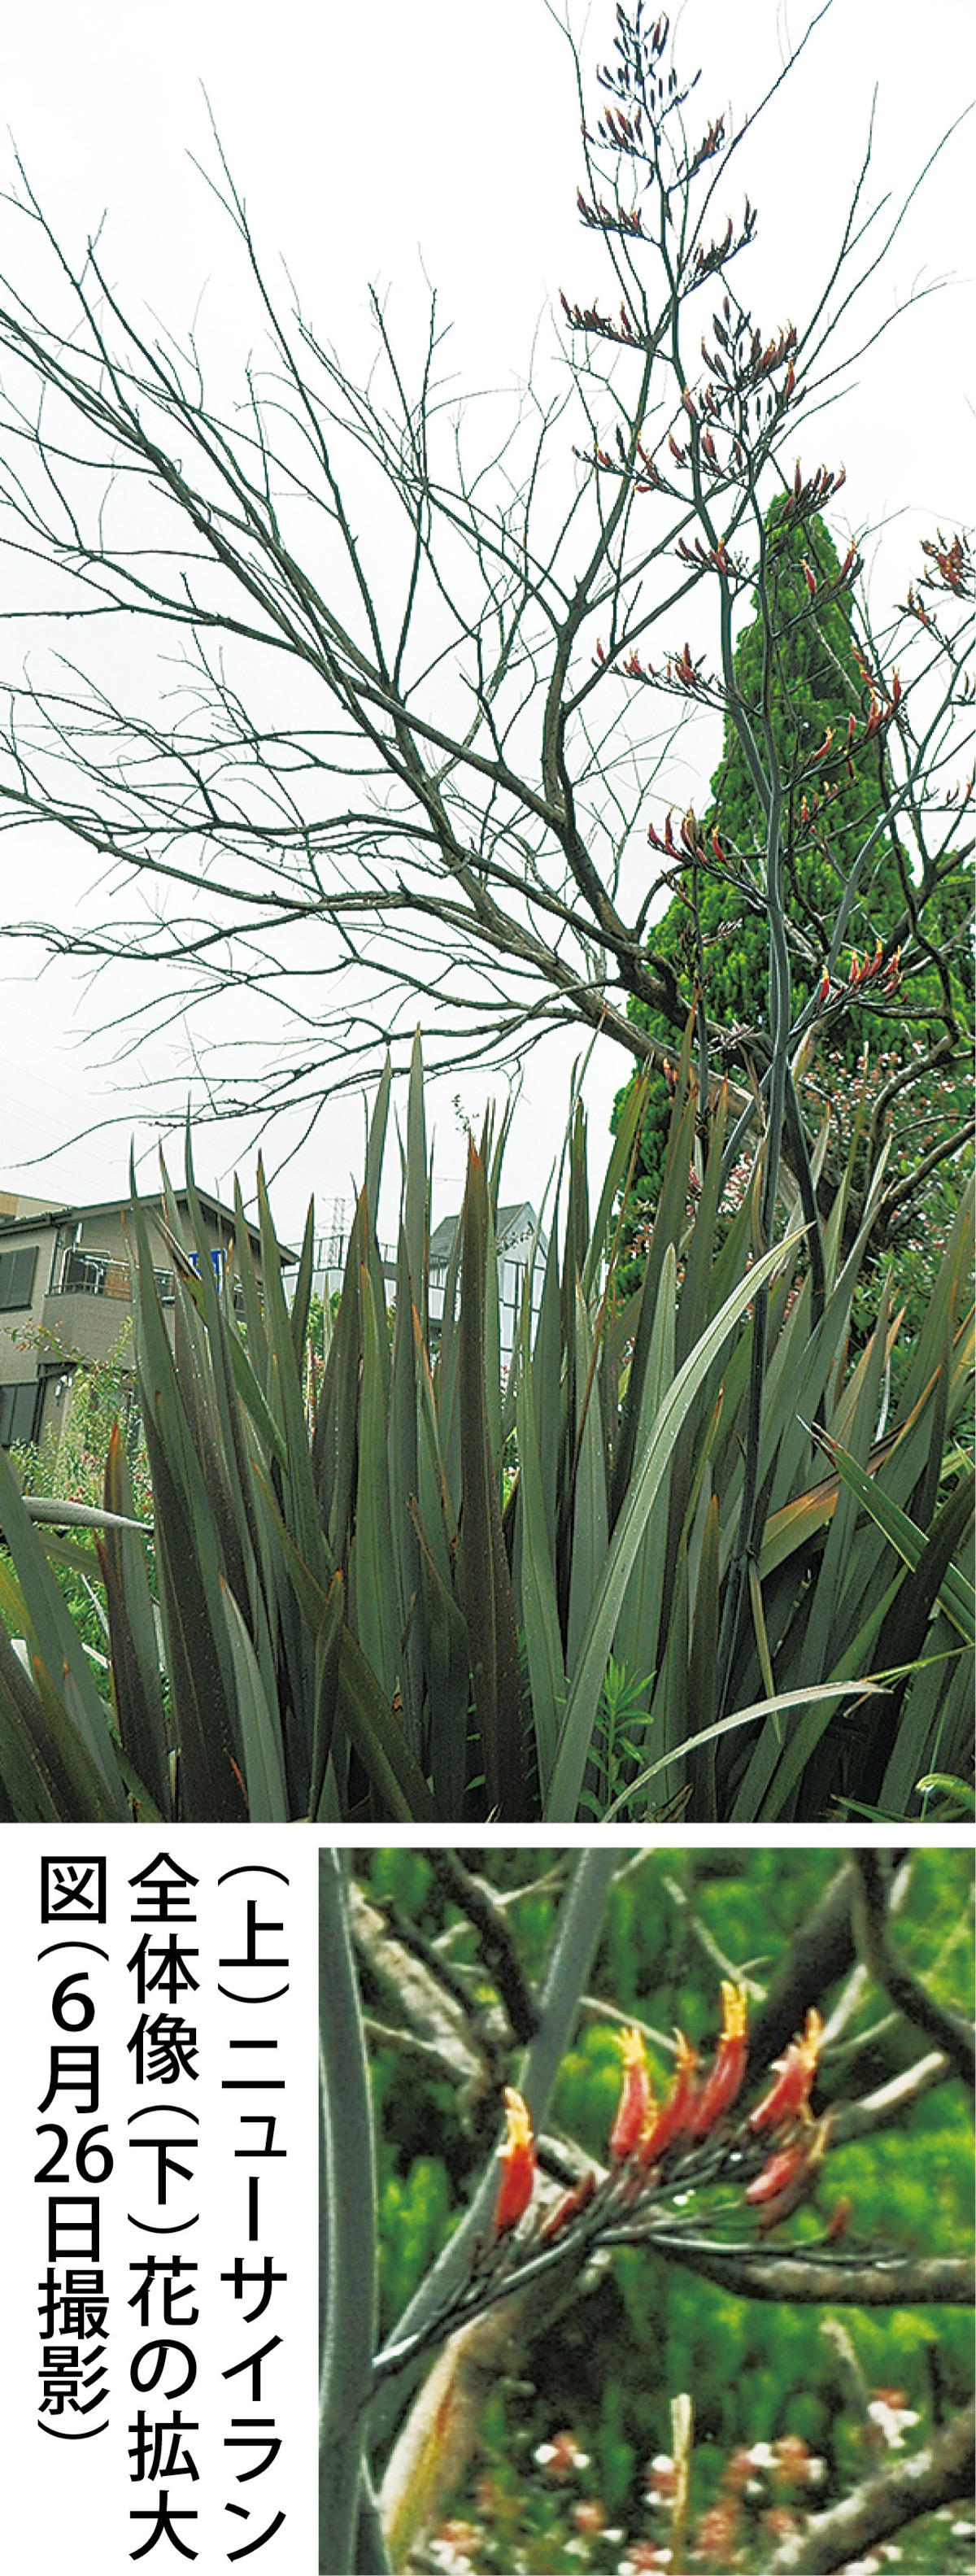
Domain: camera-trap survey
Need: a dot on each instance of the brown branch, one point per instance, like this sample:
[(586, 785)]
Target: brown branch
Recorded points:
[(498, 1949), (426, 2053), (822, 1950), (891, 2101), (919, 1174), (420, 1998), (884, 2504), (950, 2032), (947, 2280)]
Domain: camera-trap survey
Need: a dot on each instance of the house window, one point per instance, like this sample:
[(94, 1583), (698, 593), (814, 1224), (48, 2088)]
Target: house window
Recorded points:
[(19, 1408), (17, 1276)]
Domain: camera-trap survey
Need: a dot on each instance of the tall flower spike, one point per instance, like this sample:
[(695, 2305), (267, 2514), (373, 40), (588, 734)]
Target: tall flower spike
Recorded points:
[(517, 2153), (788, 2098), (723, 2083), (637, 2105)]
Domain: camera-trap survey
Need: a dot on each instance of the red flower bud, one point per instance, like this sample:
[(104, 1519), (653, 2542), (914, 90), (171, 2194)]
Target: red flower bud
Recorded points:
[(637, 2105), (788, 2097), (789, 2176), (724, 2082), (673, 2119), (839, 2219), (568, 2208), (781, 2169), (517, 2154)]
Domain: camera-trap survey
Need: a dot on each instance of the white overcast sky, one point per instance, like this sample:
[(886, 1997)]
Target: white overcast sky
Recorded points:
[(394, 142)]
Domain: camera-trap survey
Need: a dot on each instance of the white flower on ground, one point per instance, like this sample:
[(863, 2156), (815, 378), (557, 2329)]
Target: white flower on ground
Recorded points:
[(888, 2411)]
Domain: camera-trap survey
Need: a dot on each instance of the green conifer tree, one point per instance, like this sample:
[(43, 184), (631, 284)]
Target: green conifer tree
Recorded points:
[(714, 931)]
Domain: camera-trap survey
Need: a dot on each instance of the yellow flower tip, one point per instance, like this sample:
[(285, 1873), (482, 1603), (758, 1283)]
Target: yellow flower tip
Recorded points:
[(820, 2141), (685, 2056), (632, 2046), (813, 2037), (735, 2008), (518, 2130)]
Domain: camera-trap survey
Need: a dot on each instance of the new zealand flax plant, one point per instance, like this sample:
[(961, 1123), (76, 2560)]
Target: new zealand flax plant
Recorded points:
[(392, 1580)]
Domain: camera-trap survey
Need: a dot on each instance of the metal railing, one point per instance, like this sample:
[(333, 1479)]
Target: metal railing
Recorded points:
[(103, 1274)]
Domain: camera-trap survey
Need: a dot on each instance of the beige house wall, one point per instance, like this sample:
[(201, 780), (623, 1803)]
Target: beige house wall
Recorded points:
[(20, 1325), (89, 1318)]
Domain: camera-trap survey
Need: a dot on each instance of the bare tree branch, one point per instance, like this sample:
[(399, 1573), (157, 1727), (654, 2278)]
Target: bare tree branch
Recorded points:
[(884, 2504), (414, 772), (947, 2282), (953, 2035)]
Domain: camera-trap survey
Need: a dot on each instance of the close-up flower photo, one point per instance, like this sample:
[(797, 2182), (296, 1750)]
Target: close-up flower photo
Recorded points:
[(646, 2210)]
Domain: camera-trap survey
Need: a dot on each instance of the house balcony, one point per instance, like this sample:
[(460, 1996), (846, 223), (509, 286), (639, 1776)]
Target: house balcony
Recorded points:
[(103, 1274), (89, 1305)]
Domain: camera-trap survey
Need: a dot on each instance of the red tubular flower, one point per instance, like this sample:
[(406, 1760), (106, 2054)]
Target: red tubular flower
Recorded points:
[(637, 2105), (723, 2083), (673, 2119), (568, 2208), (839, 2219), (788, 2097), (517, 2154), (782, 2169), (789, 2176)]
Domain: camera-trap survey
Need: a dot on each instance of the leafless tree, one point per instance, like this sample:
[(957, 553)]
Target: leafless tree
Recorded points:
[(405, 741)]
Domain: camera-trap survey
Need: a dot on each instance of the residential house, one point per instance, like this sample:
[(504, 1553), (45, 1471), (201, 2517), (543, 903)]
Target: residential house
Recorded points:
[(515, 1238), (518, 1245), (66, 1296)]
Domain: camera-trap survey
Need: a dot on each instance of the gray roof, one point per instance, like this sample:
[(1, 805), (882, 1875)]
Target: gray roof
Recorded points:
[(512, 1221), (56, 1212)]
